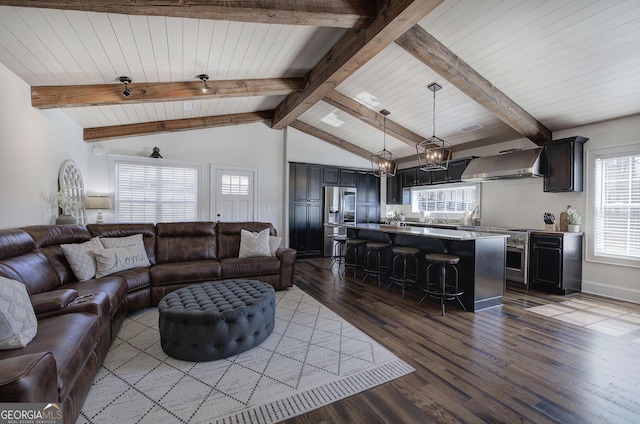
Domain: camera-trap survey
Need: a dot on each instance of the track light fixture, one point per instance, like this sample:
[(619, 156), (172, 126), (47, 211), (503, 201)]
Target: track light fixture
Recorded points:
[(204, 78), (127, 91)]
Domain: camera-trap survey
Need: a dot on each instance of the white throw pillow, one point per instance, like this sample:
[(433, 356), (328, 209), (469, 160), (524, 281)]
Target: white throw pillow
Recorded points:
[(113, 242), (109, 261), (80, 258), (254, 244), (18, 323), (274, 244)]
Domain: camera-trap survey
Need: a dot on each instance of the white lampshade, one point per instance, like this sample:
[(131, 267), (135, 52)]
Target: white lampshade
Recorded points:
[(98, 202)]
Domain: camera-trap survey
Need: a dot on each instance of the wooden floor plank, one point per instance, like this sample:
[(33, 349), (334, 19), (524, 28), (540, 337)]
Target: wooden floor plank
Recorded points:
[(504, 364)]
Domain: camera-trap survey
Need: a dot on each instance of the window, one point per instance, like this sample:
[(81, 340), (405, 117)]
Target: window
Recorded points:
[(449, 199), (237, 185), (155, 190), (616, 214)]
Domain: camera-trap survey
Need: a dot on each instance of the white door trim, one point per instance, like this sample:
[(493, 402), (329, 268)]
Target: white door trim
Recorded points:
[(214, 187)]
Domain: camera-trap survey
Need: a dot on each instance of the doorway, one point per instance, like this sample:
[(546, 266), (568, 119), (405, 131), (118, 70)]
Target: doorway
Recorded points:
[(233, 193)]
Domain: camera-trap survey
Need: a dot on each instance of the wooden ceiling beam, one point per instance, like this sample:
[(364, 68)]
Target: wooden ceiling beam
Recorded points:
[(331, 139), (438, 57), (111, 94), (373, 118), (329, 13), (119, 131), (353, 50)]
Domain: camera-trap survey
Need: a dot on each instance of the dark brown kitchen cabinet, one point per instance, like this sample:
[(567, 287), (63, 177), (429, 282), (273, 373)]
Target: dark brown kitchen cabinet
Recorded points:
[(339, 177), (555, 263), (307, 182), (394, 190), (456, 168), (368, 187), (348, 177), (562, 164), (409, 177), (305, 231)]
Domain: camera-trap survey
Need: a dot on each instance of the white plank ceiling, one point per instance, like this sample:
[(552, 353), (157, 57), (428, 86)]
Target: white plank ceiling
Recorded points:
[(566, 62)]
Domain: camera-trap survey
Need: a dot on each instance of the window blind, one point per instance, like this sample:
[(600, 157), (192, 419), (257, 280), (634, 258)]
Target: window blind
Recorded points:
[(155, 192), (453, 199), (617, 207)]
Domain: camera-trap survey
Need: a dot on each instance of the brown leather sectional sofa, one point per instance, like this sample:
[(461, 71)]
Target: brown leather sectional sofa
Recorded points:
[(78, 320)]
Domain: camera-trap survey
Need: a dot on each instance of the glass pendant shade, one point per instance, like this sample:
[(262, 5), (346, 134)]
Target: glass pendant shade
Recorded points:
[(384, 163)]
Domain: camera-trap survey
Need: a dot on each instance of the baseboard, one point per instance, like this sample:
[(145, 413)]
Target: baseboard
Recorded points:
[(614, 292)]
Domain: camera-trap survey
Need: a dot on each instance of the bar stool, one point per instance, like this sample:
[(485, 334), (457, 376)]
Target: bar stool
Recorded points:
[(441, 289), (339, 251), (373, 265), (403, 279), (352, 256)]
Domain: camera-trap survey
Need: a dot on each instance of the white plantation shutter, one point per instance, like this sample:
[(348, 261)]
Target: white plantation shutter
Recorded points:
[(457, 199), (617, 206), (156, 191)]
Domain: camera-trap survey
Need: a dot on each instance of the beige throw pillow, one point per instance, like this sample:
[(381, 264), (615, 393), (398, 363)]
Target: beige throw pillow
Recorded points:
[(109, 261), (18, 323), (80, 258), (274, 244), (113, 242), (253, 245)]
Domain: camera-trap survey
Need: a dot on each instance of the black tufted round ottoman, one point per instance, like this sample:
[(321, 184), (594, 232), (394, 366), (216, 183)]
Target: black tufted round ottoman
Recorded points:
[(215, 320)]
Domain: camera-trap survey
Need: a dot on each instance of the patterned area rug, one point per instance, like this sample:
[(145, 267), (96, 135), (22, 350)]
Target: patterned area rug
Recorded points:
[(312, 358)]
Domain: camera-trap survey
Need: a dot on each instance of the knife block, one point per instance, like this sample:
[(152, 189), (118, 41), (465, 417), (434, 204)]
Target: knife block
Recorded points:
[(550, 227)]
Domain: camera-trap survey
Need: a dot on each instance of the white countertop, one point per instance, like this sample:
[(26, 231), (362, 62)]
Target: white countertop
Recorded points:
[(441, 233)]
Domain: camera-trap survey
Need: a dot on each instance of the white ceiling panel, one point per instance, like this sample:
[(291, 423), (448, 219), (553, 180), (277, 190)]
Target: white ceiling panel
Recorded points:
[(566, 62)]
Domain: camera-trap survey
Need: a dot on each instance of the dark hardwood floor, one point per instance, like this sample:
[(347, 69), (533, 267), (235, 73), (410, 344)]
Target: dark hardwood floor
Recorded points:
[(501, 365)]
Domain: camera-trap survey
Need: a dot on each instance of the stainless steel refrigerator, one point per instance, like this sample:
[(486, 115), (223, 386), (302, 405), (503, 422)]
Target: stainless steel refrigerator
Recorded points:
[(339, 208)]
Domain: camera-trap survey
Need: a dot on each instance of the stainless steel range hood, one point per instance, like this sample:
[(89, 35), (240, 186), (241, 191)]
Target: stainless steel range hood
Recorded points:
[(514, 164)]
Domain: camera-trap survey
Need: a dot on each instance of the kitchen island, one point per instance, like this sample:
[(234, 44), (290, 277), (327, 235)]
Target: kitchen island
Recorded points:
[(482, 257)]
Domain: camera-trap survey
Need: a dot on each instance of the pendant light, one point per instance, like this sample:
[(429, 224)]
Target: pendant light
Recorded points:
[(383, 163), (434, 153)]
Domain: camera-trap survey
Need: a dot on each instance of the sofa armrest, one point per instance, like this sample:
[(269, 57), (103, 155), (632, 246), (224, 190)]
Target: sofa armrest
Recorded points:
[(52, 301), (29, 378), (287, 257)]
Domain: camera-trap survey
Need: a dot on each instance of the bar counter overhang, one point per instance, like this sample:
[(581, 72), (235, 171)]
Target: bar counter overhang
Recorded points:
[(481, 269)]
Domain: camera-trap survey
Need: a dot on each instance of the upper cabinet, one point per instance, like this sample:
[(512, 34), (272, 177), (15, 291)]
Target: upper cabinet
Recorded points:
[(339, 176), (307, 183), (562, 164)]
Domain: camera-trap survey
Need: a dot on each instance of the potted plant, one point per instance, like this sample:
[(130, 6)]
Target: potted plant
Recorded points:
[(395, 218), (574, 220)]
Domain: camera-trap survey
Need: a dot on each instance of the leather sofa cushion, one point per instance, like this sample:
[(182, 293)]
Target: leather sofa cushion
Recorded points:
[(113, 286), (248, 267), (32, 269), (71, 338), (148, 232), (229, 236), (137, 278), (48, 239), (54, 300), (15, 242), (185, 241), (184, 272)]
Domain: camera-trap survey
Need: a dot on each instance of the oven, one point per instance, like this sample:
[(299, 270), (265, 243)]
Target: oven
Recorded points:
[(517, 263)]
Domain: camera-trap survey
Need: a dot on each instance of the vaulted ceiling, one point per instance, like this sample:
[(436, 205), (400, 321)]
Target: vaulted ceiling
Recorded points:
[(509, 69)]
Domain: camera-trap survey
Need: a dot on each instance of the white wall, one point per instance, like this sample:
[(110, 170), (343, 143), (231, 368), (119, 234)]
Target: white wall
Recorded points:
[(250, 146), (302, 147), (33, 145)]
